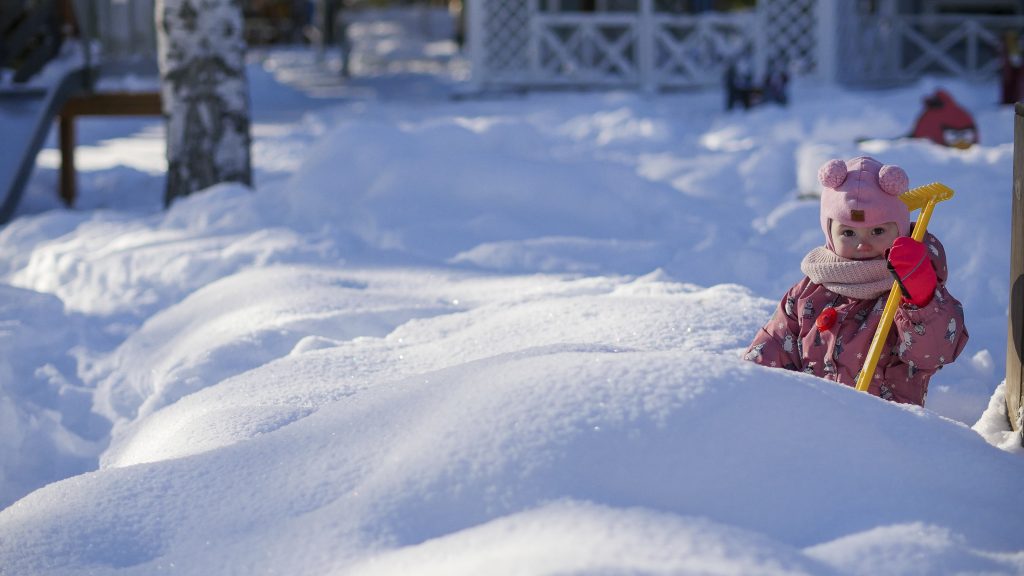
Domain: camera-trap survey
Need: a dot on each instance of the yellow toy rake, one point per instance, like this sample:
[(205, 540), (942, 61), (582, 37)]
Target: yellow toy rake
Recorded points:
[(924, 198)]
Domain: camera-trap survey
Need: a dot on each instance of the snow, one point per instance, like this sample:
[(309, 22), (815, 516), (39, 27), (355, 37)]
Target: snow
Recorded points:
[(490, 335)]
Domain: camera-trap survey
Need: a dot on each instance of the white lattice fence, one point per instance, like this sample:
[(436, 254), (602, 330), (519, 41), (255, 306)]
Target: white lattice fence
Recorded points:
[(896, 48), (695, 50), (957, 45), (789, 30), (501, 49), (522, 45), (594, 49), (842, 40)]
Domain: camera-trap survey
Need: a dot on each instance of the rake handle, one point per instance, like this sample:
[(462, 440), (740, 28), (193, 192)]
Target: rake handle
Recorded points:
[(889, 312)]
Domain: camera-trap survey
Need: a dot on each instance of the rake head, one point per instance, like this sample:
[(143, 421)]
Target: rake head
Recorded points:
[(917, 198)]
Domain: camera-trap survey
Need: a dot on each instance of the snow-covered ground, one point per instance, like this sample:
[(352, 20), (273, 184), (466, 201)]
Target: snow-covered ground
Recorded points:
[(494, 335)]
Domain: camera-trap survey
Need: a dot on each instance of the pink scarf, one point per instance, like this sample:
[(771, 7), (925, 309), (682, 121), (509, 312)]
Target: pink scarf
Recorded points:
[(860, 279)]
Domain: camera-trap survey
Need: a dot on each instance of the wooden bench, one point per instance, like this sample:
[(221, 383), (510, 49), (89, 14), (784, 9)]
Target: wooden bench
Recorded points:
[(96, 104)]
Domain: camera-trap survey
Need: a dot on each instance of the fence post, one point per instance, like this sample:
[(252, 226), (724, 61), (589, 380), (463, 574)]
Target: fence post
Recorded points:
[(645, 43), (534, 31), (826, 61), (476, 43), (1015, 334)]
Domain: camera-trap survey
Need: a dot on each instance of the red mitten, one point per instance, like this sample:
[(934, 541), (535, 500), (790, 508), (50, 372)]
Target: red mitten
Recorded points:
[(912, 268)]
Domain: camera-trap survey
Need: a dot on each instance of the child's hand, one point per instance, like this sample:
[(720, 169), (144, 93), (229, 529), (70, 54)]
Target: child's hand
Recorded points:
[(910, 265)]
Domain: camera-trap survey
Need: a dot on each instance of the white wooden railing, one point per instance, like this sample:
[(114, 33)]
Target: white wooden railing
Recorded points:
[(896, 48), (600, 49), (521, 45), (695, 50), (526, 43)]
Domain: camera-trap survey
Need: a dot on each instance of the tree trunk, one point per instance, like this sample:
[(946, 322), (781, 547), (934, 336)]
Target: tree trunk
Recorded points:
[(205, 94)]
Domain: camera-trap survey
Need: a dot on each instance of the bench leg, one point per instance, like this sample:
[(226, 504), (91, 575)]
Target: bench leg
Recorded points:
[(66, 126)]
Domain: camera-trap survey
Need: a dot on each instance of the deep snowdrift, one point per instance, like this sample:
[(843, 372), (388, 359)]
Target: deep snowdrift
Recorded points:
[(479, 424)]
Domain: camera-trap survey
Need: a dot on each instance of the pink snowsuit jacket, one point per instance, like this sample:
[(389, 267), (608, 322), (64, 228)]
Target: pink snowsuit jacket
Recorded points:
[(920, 341)]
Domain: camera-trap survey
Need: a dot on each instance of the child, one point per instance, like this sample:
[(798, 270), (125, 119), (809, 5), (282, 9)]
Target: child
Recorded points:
[(825, 323)]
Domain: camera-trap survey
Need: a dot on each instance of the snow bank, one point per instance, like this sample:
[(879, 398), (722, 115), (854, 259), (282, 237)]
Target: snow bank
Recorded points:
[(402, 463)]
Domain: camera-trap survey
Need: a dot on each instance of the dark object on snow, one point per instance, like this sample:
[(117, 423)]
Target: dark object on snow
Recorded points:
[(1012, 73), (739, 85), (775, 86), (945, 122), (740, 89)]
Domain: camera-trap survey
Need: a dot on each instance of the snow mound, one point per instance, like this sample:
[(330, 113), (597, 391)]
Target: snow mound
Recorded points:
[(401, 463)]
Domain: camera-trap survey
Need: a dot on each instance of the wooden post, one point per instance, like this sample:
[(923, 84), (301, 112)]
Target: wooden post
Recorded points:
[(66, 128), (1015, 335)]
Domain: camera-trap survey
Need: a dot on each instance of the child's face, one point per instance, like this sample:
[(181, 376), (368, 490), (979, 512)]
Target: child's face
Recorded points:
[(863, 243)]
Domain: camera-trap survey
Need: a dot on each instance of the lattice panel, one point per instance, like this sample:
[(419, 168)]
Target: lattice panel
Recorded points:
[(790, 32), (506, 33)]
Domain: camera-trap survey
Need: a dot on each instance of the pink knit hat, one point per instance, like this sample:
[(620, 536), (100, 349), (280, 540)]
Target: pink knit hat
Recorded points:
[(862, 192)]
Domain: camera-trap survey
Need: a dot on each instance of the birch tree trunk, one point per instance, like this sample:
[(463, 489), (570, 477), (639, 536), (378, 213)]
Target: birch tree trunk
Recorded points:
[(201, 54)]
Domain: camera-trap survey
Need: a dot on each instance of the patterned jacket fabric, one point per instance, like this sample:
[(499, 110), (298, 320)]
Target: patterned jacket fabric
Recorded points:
[(921, 340)]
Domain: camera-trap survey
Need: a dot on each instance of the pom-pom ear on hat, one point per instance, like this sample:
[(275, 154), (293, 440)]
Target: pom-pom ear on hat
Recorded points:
[(893, 180), (832, 174)]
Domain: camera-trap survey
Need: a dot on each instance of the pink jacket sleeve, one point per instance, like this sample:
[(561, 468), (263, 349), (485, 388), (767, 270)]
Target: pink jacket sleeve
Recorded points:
[(775, 344)]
